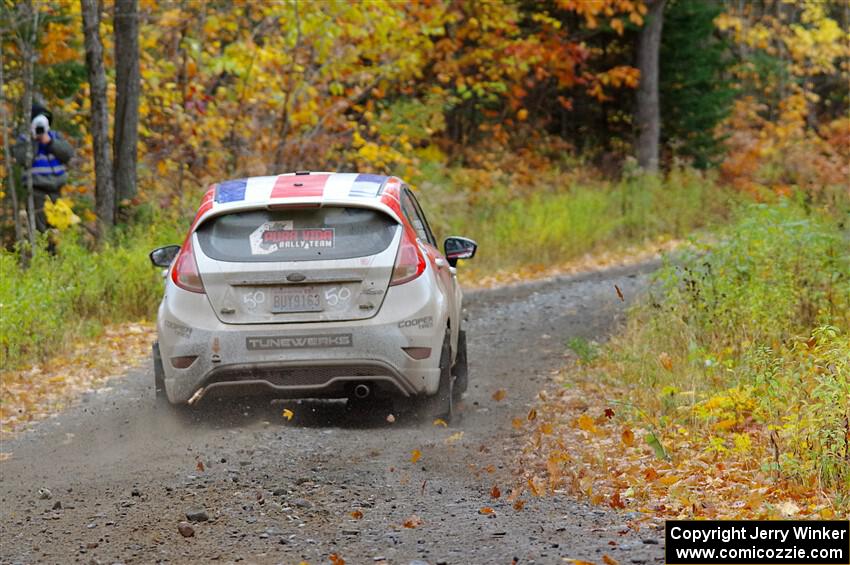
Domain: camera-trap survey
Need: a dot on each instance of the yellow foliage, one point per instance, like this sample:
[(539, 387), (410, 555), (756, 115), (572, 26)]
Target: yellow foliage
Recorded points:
[(60, 214)]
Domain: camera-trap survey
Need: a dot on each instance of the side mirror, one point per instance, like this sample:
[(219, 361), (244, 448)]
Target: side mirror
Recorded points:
[(459, 248), (163, 256)]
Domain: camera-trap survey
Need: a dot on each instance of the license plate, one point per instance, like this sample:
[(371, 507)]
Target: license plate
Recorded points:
[(287, 300)]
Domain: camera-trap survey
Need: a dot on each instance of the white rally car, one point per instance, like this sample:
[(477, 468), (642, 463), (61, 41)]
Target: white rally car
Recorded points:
[(312, 285)]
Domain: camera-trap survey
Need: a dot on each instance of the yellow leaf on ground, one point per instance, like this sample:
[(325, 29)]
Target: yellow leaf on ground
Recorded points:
[(440, 422), (585, 422), (287, 413), (415, 455), (455, 437), (499, 395), (486, 510)]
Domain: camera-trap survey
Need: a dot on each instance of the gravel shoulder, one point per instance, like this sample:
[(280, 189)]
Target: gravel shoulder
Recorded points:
[(122, 473)]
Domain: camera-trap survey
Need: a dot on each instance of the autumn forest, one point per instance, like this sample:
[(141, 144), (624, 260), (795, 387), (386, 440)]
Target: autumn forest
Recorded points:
[(562, 135)]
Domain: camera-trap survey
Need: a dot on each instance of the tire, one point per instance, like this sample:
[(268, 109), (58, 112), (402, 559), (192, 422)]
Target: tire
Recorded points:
[(461, 367), (158, 374), (441, 404)]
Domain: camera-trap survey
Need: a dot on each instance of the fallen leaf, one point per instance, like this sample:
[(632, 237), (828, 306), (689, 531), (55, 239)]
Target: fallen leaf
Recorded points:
[(609, 413), (535, 487), (546, 428), (486, 510), (579, 561), (200, 466), (585, 422), (413, 522), (287, 413), (336, 559), (415, 455), (519, 504), (788, 508), (608, 560), (499, 395), (455, 437), (619, 293), (627, 437), (356, 514), (532, 415), (440, 422), (516, 423), (495, 492), (616, 501)]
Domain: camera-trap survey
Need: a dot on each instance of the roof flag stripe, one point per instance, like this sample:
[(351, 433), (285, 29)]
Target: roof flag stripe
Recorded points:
[(296, 186), (231, 191), (259, 188), (366, 185), (339, 185)]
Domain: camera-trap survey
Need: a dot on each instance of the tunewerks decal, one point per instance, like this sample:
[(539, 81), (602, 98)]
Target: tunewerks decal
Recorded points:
[(298, 342)]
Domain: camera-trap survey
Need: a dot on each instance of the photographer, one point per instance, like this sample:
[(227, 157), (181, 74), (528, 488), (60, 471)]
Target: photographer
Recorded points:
[(50, 154)]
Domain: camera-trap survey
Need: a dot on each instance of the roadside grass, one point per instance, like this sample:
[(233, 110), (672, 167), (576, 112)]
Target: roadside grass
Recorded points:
[(563, 218), (521, 228), (734, 376), (59, 299)]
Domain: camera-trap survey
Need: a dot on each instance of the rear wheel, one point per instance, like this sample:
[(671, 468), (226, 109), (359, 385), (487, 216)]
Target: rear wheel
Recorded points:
[(441, 404), (158, 373), (461, 368)]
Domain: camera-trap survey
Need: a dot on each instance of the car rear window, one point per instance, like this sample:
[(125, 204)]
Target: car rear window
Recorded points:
[(297, 235)]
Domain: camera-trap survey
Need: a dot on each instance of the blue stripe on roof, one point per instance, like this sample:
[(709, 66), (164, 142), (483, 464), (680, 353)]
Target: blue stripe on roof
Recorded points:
[(231, 191), (366, 186), (370, 178)]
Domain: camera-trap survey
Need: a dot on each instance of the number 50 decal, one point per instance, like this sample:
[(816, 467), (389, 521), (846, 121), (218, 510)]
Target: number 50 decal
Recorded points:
[(334, 295)]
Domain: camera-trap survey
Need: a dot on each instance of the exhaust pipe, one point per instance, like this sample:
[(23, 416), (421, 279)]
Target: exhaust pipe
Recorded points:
[(362, 391)]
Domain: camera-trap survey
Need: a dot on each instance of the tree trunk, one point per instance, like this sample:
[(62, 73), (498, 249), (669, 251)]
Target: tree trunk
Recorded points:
[(7, 157), (127, 85), (99, 121), (26, 43), (648, 109)]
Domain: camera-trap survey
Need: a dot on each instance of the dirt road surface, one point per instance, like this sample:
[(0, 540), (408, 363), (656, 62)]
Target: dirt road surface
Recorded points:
[(122, 473)]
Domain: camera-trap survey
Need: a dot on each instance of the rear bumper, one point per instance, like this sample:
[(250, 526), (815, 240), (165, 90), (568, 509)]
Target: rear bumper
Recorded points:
[(304, 360)]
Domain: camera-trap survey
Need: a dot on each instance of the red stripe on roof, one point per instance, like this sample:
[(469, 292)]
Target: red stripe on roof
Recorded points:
[(295, 186)]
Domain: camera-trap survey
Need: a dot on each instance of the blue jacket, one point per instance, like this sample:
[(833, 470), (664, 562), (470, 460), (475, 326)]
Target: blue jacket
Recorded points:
[(48, 164)]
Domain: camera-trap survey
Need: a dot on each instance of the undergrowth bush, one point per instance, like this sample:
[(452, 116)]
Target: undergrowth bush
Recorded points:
[(748, 346), (59, 298)]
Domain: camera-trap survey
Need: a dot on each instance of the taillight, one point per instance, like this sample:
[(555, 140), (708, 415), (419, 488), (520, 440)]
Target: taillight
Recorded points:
[(409, 263), (185, 273)]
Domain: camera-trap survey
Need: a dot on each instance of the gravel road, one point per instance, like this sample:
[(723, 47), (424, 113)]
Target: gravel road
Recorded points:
[(110, 479)]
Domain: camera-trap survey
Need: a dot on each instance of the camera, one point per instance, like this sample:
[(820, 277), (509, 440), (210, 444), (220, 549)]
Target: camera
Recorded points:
[(40, 125)]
